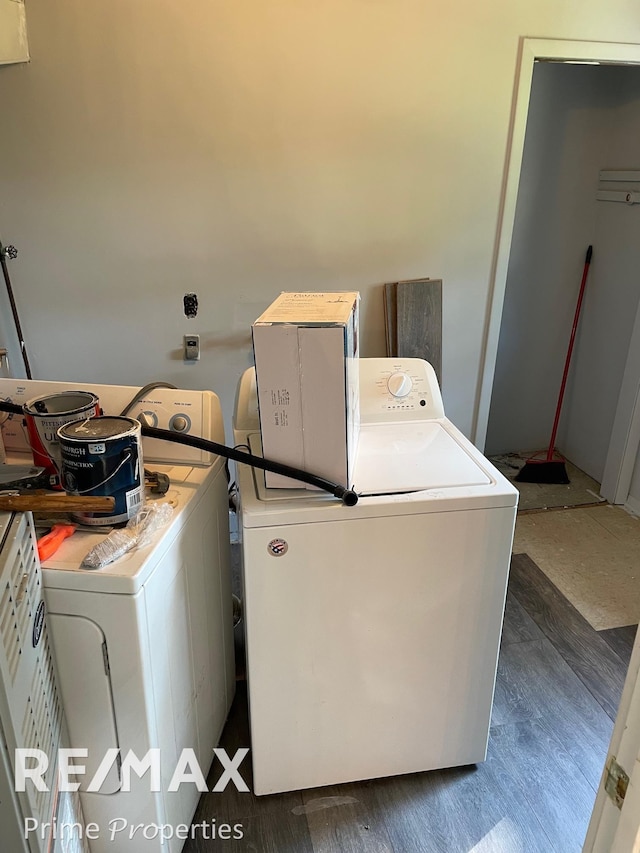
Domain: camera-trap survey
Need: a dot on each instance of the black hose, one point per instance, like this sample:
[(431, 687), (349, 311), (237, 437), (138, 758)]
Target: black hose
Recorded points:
[(347, 496)]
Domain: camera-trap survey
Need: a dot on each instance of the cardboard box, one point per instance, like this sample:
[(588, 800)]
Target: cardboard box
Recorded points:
[(306, 353)]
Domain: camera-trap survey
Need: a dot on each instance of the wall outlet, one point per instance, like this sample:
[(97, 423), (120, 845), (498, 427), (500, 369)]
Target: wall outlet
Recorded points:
[(190, 303), (192, 347)]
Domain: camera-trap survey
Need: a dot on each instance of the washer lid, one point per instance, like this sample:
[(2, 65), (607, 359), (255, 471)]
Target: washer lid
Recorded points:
[(407, 457), (398, 458)]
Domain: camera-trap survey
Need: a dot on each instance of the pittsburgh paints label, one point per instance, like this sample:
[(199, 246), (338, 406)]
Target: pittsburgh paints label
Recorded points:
[(112, 467)]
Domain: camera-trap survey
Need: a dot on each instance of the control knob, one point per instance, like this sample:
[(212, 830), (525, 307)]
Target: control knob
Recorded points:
[(399, 384), (148, 419), (179, 423)]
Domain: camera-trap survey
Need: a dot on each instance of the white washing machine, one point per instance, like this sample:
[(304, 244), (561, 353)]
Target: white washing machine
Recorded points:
[(372, 631), (144, 646)]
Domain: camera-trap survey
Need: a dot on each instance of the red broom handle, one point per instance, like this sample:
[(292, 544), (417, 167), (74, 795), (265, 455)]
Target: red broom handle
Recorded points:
[(567, 362)]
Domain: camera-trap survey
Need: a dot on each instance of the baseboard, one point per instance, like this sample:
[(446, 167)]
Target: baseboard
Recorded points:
[(632, 506)]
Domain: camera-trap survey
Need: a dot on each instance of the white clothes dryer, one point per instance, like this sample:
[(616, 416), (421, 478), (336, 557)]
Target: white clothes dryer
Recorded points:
[(372, 631), (144, 646)]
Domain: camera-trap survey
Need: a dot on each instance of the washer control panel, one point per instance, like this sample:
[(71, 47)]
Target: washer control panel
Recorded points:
[(181, 411), (398, 389)]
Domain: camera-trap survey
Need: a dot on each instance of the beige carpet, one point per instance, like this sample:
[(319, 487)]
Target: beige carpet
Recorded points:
[(592, 554)]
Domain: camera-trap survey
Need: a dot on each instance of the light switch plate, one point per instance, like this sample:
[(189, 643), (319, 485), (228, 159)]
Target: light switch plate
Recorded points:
[(192, 347)]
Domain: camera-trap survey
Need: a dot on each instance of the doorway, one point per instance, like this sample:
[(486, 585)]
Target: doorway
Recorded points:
[(579, 136), (571, 120), (581, 118)]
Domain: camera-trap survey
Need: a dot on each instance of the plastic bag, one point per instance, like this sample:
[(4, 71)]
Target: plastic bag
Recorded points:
[(136, 534)]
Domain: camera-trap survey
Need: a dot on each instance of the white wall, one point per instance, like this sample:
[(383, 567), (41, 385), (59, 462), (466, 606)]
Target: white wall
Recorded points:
[(606, 324), (581, 119), (236, 149)]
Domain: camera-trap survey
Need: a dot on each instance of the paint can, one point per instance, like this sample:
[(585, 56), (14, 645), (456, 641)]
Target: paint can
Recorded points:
[(45, 415), (103, 456)]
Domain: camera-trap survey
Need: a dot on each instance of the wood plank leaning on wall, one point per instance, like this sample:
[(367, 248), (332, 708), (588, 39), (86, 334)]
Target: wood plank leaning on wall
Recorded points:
[(413, 320)]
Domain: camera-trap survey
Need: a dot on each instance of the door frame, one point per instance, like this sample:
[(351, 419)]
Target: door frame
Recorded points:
[(614, 828), (532, 50), (625, 433)]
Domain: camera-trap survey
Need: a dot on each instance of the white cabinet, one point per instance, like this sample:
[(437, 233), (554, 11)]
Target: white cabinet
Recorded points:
[(13, 32)]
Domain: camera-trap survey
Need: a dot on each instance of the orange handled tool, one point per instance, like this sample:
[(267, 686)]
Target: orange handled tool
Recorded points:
[(50, 542)]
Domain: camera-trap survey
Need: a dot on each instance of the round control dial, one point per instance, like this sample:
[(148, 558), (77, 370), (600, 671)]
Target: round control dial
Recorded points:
[(399, 384), (180, 423), (148, 418)]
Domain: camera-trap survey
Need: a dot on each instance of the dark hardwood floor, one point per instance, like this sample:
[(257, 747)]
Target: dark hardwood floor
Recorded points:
[(558, 687)]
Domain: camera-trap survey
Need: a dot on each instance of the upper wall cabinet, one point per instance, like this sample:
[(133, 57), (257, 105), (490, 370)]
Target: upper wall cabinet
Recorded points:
[(13, 32)]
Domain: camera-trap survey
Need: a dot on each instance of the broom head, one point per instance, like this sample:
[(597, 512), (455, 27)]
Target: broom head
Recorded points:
[(543, 471)]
